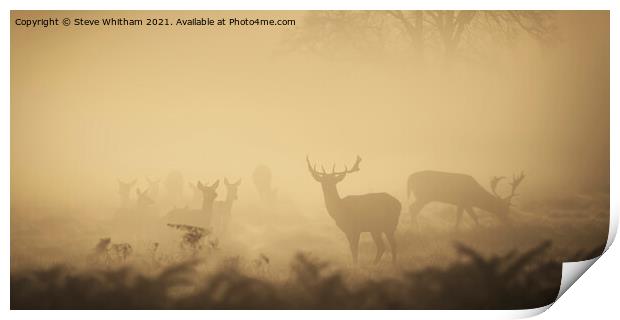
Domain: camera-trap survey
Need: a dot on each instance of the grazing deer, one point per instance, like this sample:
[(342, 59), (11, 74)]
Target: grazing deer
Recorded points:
[(222, 209), (376, 213), (196, 217), (461, 190), (124, 190)]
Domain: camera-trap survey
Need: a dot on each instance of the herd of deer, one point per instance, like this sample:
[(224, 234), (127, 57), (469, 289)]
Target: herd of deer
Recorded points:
[(376, 213), (213, 214)]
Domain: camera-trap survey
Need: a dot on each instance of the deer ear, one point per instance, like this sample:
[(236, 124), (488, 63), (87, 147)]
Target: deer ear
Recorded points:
[(217, 183)]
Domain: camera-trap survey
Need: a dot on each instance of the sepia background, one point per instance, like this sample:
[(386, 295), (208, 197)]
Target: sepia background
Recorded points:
[(486, 93)]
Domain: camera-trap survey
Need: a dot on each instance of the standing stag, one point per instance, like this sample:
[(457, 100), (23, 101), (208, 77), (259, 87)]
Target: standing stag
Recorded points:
[(376, 213), (196, 217), (222, 209), (460, 190)]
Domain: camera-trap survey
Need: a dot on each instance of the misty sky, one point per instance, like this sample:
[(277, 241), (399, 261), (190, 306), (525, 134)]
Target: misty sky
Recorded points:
[(90, 105)]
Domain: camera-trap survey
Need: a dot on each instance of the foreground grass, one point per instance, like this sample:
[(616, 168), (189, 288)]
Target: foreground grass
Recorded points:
[(510, 281)]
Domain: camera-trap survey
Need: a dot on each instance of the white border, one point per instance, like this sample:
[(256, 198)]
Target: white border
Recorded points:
[(288, 5)]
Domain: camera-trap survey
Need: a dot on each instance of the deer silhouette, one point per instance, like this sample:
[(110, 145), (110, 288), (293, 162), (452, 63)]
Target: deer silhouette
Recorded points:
[(196, 199), (376, 213), (153, 188), (460, 190), (135, 220), (144, 199), (124, 191), (141, 207), (222, 209), (196, 217)]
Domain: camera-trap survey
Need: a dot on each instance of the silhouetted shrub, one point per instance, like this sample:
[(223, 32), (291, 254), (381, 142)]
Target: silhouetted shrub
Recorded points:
[(510, 281)]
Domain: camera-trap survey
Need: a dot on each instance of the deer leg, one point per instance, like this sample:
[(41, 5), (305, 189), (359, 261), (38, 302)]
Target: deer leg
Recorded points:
[(392, 241), (414, 209), (459, 215), (354, 240), (472, 214), (376, 236)]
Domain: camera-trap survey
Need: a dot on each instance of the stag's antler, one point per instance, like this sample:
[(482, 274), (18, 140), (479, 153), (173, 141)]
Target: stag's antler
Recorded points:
[(312, 169), (356, 167), (516, 181), (314, 172)]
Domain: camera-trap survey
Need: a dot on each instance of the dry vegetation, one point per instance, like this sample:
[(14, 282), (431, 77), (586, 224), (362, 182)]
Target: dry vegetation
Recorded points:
[(511, 281), (304, 262)]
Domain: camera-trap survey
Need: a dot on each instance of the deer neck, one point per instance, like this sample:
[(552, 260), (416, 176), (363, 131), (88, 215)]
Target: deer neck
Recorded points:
[(207, 206), (332, 199), (229, 201)]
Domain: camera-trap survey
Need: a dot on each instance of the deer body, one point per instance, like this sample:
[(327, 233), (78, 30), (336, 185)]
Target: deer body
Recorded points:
[(141, 208), (136, 220), (461, 190), (376, 213), (196, 217), (372, 212)]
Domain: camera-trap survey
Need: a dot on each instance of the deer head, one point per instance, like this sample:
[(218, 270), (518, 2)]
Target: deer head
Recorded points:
[(208, 192), (153, 187), (507, 200), (143, 198), (332, 178), (231, 189)]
